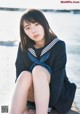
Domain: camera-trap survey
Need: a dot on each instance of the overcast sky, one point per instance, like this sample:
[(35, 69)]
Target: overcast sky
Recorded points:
[(41, 4)]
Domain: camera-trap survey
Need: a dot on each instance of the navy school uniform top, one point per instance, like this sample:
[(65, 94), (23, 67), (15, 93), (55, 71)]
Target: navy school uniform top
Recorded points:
[(53, 58)]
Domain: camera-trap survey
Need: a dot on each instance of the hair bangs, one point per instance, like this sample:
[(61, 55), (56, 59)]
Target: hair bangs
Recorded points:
[(34, 16), (31, 18)]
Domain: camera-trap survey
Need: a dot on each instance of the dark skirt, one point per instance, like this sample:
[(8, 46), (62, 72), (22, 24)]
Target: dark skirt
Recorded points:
[(66, 98)]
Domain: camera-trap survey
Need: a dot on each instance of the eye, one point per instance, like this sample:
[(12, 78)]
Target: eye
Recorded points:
[(27, 28)]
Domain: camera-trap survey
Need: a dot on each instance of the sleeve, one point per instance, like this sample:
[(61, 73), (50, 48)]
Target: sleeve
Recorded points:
[(58, 72), (20, 66)]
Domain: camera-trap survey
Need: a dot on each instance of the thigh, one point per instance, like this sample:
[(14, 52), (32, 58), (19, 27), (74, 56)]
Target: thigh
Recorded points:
[(47, 73), (37, 70), (31, 93)]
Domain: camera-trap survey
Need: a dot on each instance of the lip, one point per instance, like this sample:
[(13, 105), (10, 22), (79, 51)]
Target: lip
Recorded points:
[(35, 36)]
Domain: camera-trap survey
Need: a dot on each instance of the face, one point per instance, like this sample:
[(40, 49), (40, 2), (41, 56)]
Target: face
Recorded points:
[(34, 31)]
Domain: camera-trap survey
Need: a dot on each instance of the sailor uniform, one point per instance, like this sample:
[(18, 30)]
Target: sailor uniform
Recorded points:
[(53, 58), (39, 62)]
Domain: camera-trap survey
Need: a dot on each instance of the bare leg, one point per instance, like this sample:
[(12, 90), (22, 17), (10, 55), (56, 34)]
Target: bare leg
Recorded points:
[(20, 94), (41, 79)]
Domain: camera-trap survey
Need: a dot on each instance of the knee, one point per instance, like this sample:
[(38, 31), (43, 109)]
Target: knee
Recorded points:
[(24, 76), (40, 72), (37, 70)]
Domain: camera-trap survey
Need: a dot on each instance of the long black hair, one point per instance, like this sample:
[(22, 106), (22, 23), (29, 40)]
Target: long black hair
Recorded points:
[(34, 15)]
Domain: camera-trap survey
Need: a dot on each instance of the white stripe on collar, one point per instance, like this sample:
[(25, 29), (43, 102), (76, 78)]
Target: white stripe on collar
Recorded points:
[(48, 47), (32, 51)]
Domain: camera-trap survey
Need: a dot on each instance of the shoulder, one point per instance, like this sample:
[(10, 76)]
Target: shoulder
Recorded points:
[(20, 49), (20, 52), (59, 45), (59, 48)]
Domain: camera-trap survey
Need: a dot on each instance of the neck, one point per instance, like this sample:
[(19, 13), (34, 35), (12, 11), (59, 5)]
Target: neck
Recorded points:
[(39, 44)]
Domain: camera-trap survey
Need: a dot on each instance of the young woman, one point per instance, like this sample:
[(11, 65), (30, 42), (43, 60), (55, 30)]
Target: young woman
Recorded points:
[(41, 81)]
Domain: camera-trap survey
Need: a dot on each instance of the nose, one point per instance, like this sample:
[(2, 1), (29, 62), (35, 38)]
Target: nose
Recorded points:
[(33, 30)]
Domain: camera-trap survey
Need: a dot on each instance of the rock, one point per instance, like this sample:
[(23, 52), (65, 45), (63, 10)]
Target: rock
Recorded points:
[(73, 110)]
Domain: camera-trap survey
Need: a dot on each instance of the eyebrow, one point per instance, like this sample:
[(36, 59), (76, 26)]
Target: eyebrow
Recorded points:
[(26, 25)]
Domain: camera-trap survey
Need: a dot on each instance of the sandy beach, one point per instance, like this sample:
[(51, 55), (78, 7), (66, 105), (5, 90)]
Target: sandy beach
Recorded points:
[(7, 73)]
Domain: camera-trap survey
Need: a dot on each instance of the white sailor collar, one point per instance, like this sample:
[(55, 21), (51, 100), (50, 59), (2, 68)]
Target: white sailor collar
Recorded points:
[(45, 49)]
